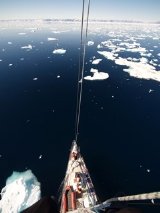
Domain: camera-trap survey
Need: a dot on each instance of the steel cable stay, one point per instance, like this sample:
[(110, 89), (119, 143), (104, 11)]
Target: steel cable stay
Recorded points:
[(82, 54)]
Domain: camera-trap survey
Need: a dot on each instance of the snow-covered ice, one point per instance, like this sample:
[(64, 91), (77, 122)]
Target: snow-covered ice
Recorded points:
[(139, 69), (22, 190)]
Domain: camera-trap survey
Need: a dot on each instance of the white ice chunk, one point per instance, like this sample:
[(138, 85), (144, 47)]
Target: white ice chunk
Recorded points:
[(155, 38), (40, 157), (59, 51), (90, 43), (139, 69), (96, 61), (56, 32), (29, 46), (146, 54), (22, 33), (138, 49), (52, 39), (152, 201), (22, 190), (106, 54), (10, 65), (144, 60), (97, 75), (9, 42), (151, 90), (35, 79)]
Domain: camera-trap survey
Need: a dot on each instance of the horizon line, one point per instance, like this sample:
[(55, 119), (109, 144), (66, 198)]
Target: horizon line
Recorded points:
[(76, 19)]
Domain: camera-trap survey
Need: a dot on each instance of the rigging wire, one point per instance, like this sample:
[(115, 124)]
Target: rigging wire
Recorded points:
[(81, 68), (79, 72)]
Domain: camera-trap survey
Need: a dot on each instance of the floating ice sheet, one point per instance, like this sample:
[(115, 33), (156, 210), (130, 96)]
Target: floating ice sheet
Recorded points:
[(139, 69)]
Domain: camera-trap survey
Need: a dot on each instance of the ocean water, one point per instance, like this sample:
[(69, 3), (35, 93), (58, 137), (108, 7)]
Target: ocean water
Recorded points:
[(119, 125)]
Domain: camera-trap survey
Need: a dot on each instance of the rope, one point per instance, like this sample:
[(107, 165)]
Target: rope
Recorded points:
[(81, 69)]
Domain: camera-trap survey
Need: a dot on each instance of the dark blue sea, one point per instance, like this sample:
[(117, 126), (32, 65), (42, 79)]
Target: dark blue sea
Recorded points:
[(120, 116)]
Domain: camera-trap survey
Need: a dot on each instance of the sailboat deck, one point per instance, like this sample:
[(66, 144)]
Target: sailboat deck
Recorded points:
[(78, 191)]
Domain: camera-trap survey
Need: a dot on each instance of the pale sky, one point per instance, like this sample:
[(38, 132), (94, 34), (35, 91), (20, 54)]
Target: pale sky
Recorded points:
[(142, 10)]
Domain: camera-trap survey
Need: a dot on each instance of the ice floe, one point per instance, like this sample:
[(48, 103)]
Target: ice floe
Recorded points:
[(146, 54), (56, 32), (137, 49), (152, 201), (97, 75), (21, 33), (96, 61), (9, 42), (40, 157), (90, 43), (52, 39), (153, 63), (22, 190), (139, 69), (59, 51), (151, 90), (10, 65), (29, 46), (107, 54), (35, 79)]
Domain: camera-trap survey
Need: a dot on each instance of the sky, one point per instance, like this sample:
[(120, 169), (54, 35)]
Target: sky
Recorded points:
[(139, 10)]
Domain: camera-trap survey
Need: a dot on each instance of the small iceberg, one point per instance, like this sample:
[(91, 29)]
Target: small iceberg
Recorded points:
[(59, 51)]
